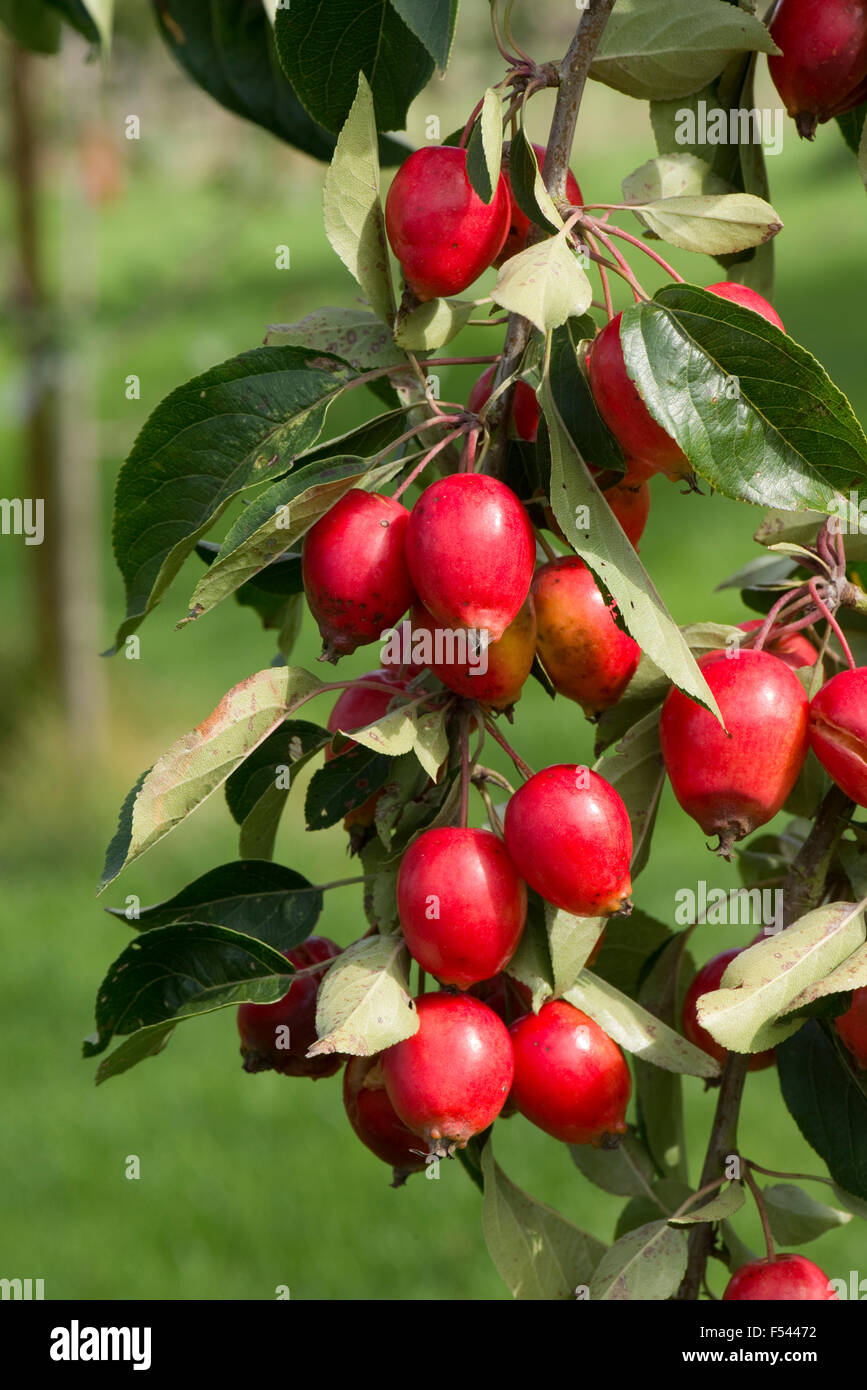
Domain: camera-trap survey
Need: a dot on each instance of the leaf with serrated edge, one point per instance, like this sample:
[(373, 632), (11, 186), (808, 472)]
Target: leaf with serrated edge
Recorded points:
[(656, 52), (354, 223), (646, 1264), (747, 1012), (147, 1042), (545, 284), (537, 1253), (528, 187), (713, 225), (786, 438), (613, 560), (796, 1217), (636, 1030), (852, 974), (364, 1004), (721, 1206), (200, 762)]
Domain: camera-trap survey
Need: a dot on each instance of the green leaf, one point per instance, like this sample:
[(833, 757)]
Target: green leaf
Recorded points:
[(262, 900), (324, 44), (646, 1264), (570, 941), (611, 557), (655, 52), (276, 520), (852, 124), (635, 768), (393, 734), (754, 413), (31, 25), (531, 963), (228, 49), (668, 1195), (354, 223), (713, 225), (827, 1098), (718, 1207), (200, 762), (237, 425), (147, 1042), (433, 22), (574, 399), (796, 1217), (174, 972), (433, 324), (851, 975), (256, 793), (364, 1004), (528, 187), (353, 334), (637, 1030), (545, 284), (537, 1253), (485, 148), (862, 156), (660, 1093), (101, 13), (672, 176), (748, 1013), (342, 784), (431, 741), (629, 944), (626, 1171), (76, 14)]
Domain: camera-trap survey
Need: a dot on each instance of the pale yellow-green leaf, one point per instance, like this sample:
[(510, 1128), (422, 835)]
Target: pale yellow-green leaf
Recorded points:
[(354, 222), (714, 225), (645, 1265), (431, 741), (433, 324), (364, 1004), (545, 284), (852, 974), (759, 986), (637, 1030), (570, 941), (671, 176)]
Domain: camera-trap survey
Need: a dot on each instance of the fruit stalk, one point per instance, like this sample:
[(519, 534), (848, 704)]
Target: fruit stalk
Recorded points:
[(803, 891), (573, 75)]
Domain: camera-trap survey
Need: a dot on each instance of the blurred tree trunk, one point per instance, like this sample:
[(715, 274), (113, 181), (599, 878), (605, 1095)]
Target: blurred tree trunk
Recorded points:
[(38, 347)]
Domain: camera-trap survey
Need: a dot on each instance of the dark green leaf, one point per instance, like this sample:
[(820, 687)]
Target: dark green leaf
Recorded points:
[(344, 783), (266, 901), (147, 1042), (323, 44), (851, 124), (433, 22), (31, 24), (173, 972), (292, 744), (574, 398), (76, 13), (625, 1171), (281, 578), (827, 1098), (754, 412), (238, 425)]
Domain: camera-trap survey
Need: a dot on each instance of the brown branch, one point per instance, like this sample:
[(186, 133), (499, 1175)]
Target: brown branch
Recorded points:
[(573, 75)]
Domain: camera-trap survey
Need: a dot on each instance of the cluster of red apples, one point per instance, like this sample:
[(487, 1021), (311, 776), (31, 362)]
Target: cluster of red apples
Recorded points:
[(465, 558)]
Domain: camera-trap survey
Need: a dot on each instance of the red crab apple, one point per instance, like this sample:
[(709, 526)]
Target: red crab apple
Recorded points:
[(375, 1121), (495, 674), (822, 70), (355, 708), (520, 223), (568, 834), (439, 228), (784, 1277), (706, 980), (852, 1026), (571, 1079), (354, 570), (793, 648), (275, 1037), (525, 408), (462, 906), (735, 779), (470, 549), (838, 731), (450, 1080), (648, 447), (587, 656)]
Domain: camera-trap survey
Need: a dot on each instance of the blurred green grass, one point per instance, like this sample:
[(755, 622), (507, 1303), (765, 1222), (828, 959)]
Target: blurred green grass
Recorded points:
[(248, 1183)]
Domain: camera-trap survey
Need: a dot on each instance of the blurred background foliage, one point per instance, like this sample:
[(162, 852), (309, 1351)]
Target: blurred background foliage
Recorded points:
[(159, 261)]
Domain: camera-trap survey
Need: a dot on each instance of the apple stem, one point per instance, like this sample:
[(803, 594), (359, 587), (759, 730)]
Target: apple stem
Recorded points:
[(766, 1225), (464, 720), (423, 462), (641, 246), (838, 631), (525, 771)]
